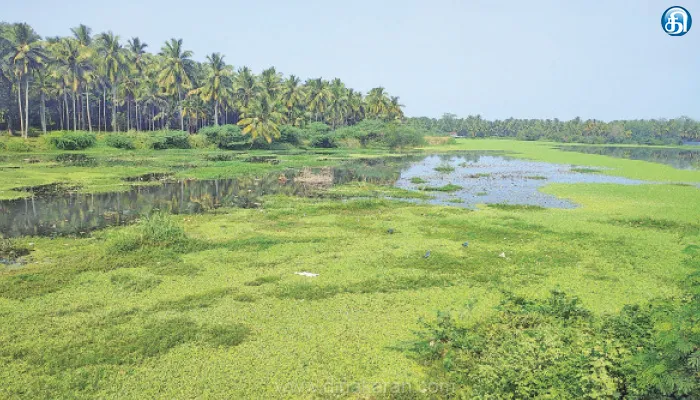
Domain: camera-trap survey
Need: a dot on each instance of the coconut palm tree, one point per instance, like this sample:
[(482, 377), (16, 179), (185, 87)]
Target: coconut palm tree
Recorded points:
[(216, 82), (137, 56), (6, 77), (27, 55), (292, 97), (319, 95), (377, 103), (83, 38), (246, 89), (82, 35), (263, 119), (176, 73), (45, 84), (337, 102), (137, 50), (271, 82), (356, 107), (395, 108), (77, 60), (114, 66)]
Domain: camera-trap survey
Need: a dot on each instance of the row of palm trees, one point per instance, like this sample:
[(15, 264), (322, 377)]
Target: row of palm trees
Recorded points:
[(76, 79)]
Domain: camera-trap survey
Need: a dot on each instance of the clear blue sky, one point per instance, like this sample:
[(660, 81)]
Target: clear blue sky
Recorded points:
[(526, 59)]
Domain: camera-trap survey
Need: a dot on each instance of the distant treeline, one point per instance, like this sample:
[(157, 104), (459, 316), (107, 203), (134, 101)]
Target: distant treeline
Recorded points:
[(652, 131), (101, 82)]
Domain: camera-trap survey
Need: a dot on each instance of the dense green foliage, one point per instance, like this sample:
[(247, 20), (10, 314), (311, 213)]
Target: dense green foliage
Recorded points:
[(120, 142), (170, 140), (72, 140), (98, 83), (555, 348), (663, 131), (227, 137)]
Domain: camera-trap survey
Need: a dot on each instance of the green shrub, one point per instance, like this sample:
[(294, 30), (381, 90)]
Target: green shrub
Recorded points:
[(170, 140), (555, 348), (349, 143), (317, 128), (72, 140), (403, 136), (120, 142), (326, 141), (16, 145), (380, 133), (157, 230), (157, 143), (177, 140), (290, 134), (227, 137), (198, 141)]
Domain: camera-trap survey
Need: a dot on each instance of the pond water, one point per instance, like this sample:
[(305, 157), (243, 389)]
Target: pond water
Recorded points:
[(482, 178), (675, 157), (490, 179), (59, 210)]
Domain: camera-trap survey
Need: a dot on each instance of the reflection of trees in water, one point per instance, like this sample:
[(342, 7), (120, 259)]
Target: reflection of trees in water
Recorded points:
[(73, 213), (678, 158)]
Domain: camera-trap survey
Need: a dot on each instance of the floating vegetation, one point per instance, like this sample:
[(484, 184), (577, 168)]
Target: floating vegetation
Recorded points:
[(446, 188), (585, 170), (444, 168)]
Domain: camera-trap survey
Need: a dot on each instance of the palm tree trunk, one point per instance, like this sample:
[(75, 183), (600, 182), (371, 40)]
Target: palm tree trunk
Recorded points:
[(216, 113), (43, 112), (179, 104), (65, 107), (60, 111), (19, 103), (114, 107), (99, 114), (75, 113), (128, 113), (104, 106), (26, 107), (138, 121), (87, 107)]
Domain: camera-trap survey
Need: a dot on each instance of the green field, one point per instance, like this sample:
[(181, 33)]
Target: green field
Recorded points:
[(209, 305)]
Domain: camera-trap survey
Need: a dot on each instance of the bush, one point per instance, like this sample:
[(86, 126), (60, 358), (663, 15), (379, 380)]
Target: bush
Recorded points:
[(540, 348), (290, 134), (72, 140), (198, 141), (170, 140), (120, 142), (227, 137), (403, 136), (16, 145), (326, 141), (158, 230), (317, 128), (349, 143)]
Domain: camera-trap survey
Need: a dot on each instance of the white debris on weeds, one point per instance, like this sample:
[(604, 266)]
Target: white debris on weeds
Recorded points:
[(502, 255), (307, 274)]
